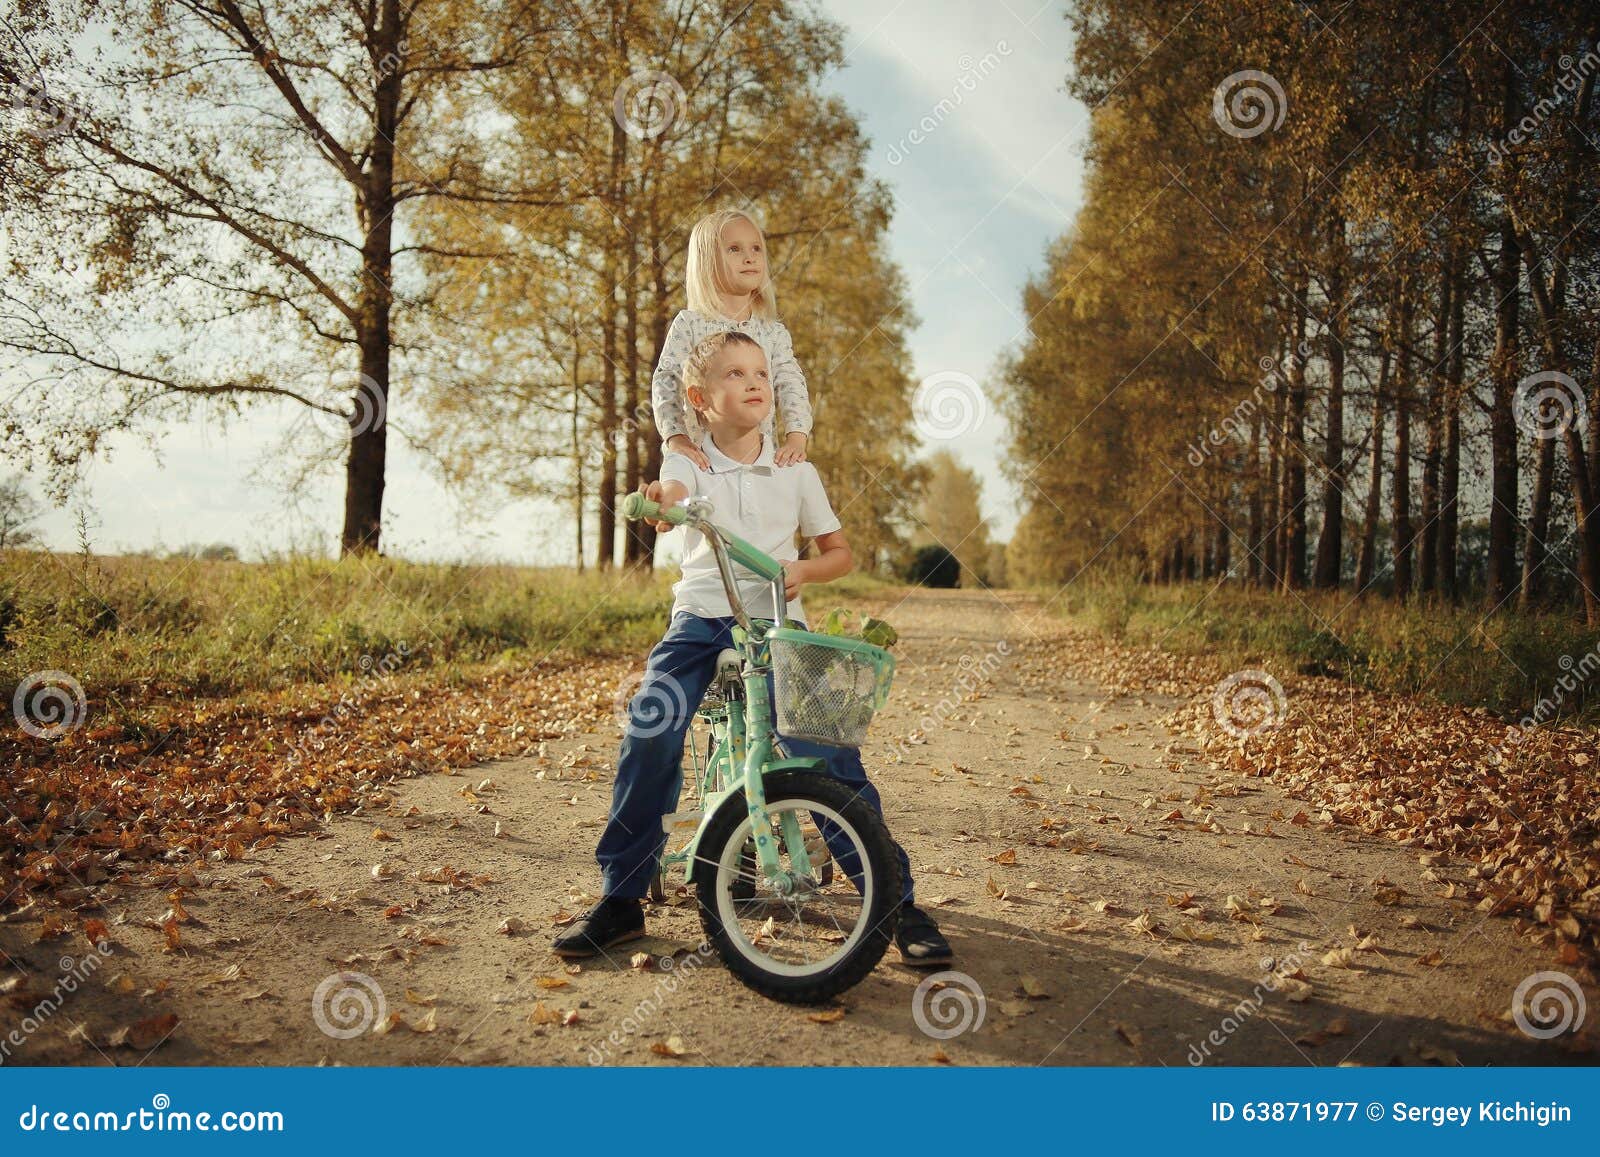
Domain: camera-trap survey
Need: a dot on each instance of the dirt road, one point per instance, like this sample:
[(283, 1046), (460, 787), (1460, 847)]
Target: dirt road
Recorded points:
[(1038, 812)]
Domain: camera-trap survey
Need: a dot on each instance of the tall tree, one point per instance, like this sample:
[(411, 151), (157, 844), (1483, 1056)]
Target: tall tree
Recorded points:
[(242, 183)]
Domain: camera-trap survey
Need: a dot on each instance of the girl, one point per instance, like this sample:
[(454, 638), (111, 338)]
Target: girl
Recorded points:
[(729, 288)]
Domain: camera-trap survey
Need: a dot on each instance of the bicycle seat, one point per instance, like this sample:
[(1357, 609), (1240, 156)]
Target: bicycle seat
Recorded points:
[(729, 663)]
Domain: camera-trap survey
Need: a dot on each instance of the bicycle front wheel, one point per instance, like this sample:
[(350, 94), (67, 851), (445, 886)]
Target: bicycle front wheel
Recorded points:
[(823, 936)]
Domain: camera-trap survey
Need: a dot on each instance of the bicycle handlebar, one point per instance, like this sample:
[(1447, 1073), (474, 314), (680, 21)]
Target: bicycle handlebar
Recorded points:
[(636, 506)]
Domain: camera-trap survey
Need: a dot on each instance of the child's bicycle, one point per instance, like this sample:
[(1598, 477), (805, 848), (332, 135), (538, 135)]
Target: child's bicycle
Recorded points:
[(771, 826)]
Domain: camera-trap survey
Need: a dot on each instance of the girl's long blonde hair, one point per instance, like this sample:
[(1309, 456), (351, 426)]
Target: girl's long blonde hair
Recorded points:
[(705, 264)]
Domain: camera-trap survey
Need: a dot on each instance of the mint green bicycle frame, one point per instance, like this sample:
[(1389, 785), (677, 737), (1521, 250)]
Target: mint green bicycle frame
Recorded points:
[(744, 745)]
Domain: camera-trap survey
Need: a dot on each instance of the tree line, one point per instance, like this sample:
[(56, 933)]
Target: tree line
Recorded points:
[(1327, 318), (463, 223)]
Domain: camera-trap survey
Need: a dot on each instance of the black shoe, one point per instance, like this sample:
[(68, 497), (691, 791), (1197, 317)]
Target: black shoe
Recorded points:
[(611, 921), (919, 940)]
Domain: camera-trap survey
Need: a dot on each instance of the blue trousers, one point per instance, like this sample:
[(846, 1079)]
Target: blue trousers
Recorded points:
[(650, 764)]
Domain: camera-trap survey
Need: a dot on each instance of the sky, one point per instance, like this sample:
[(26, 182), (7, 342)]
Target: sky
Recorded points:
[(969, 125)]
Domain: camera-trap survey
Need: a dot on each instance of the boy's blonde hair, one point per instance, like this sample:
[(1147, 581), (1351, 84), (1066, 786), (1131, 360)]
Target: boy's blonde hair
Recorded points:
[(705, 267), (694, 372)]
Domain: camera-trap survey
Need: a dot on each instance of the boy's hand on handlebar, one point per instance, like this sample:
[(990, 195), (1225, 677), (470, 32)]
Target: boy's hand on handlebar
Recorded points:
[(833, 562), (795, 575), (664, 494), (680, 444)]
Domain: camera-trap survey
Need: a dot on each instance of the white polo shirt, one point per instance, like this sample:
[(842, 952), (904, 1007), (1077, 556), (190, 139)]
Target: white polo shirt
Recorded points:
[(763, 504)]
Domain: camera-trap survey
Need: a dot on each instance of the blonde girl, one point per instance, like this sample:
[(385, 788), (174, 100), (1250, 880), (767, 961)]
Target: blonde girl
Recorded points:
[(729, 288)]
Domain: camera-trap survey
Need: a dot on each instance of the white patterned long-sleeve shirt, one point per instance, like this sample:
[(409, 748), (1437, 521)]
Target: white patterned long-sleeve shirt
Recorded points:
[(673, 413)]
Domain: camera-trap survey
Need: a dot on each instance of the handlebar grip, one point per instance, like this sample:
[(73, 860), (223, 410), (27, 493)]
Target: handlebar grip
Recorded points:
[(636, 506)]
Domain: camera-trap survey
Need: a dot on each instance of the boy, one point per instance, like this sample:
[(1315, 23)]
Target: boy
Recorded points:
[(726, 382)]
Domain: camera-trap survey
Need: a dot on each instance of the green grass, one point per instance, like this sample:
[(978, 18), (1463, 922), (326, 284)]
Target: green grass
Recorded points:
[(139, 626), (1505, 663)]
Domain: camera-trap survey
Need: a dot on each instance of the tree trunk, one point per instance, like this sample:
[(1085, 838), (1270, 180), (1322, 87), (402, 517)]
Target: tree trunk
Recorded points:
[(1400, 494), (1294, 539), (1254, 528), (1584, 498), (578, 511), (1367, 562), (1502, 579), (1274, 487), (1536, 533), (1549, 293), (1428, 542), (636, 548), (1330, 543), (1450, 463), (375, 207)]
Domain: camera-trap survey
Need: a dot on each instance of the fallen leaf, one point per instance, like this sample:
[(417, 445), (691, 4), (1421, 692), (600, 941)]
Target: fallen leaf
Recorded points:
[(1436, 1053), (1341, 958), (145, 1034), (1296, 990)]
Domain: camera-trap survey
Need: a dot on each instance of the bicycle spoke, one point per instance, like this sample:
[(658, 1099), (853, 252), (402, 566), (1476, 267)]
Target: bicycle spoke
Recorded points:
[(804, 929)]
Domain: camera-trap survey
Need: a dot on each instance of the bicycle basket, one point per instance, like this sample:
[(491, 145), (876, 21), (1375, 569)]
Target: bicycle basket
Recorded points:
[(827, 687)]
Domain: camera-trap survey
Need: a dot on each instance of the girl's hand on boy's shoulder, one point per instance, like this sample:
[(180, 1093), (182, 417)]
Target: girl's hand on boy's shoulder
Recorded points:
[(680, 444), (792, 452)]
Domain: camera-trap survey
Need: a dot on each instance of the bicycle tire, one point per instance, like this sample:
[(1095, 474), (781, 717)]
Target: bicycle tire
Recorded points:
[(882, 871)]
